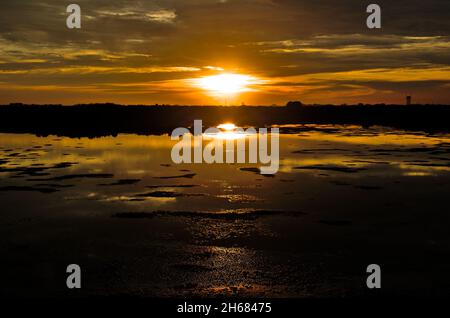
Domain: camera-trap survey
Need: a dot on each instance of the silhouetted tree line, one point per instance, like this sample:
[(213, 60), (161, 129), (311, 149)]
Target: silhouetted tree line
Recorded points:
[(95, 120)]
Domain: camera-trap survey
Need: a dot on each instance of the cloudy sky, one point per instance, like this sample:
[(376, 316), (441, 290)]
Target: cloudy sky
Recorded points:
[(165, 51)]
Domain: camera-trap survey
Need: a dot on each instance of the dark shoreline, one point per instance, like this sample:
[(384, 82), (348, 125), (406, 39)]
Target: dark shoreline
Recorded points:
[(96, 120)]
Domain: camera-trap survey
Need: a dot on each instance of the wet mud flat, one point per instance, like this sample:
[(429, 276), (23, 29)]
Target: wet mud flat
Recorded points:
[(188, 255), (345, 197)]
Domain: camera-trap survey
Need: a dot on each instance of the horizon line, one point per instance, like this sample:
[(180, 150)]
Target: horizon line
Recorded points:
[(225, 106)]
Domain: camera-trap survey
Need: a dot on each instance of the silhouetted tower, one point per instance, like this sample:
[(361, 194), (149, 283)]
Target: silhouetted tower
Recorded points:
[(408, 100)]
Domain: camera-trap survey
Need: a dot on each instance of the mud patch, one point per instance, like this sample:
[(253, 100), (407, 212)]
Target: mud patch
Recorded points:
[(344, 169), (121, 182), (183, 176), (27, 189), (77, 176), (257, 171)]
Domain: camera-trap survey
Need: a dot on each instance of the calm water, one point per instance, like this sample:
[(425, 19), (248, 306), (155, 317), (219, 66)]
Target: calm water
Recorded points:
[(135, 173), (337, 187)]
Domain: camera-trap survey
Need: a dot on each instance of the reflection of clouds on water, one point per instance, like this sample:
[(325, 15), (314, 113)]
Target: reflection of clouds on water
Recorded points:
[(313, 159)]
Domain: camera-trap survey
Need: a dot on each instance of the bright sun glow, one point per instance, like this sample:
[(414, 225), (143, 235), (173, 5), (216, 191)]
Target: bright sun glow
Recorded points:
[(226, 84), (228, 131), (227, 127)]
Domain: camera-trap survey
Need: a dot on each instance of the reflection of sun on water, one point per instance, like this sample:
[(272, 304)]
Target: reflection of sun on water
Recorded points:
[(228, 131)]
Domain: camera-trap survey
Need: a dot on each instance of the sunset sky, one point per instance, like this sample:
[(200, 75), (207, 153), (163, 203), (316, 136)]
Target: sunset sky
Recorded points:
[(197, 52)]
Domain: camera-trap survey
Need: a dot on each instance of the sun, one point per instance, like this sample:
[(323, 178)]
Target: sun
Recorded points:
[(227, 126), (226, 84)]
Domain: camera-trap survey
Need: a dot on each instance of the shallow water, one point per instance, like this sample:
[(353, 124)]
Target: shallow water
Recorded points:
[(341, 190), (136, 173)]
